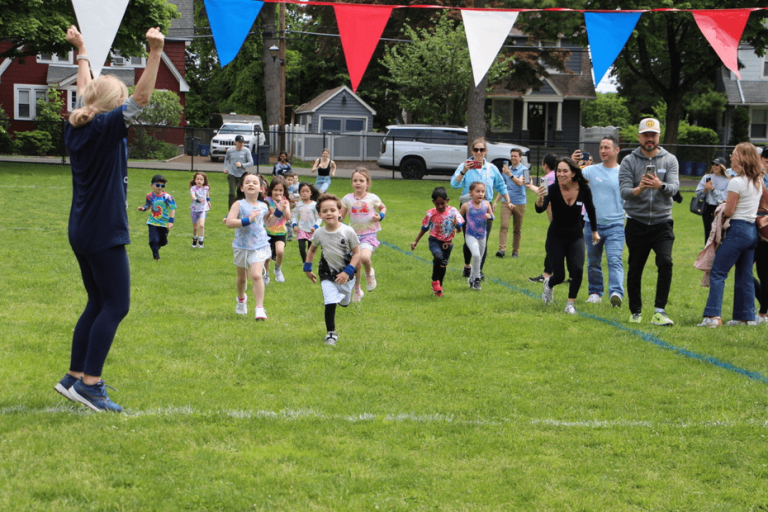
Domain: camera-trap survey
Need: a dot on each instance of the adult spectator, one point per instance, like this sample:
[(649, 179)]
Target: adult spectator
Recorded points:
[(236, 161), (648, 179), (281, 166), (764, 160), (467, 173), (548, 165), (604, 183), (738, 246), (713, 188), (325, 169), (514, 178)]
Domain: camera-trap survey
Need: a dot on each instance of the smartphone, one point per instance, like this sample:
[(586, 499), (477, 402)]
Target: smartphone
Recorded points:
[(650, 170), (527, 176), (709, 178), (585, 155), (476, 164)]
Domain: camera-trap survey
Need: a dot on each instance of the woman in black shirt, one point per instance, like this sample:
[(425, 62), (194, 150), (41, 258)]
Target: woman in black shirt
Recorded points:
[(569, 196)]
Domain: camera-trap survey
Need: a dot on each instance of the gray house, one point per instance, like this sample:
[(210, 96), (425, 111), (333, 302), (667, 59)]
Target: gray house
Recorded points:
[(337, 110), (751, 92)]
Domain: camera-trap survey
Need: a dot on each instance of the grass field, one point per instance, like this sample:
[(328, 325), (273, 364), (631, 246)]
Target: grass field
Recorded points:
[(476, 401)]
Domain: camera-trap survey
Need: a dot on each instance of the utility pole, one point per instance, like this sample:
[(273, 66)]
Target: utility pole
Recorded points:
[(281, 44)]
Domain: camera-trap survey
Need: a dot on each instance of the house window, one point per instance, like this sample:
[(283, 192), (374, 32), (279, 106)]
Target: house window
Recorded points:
[(25, 100), (119, 60), (501, 120), (354, 125), (54, 58), (758, 128), (72, 100), (331, 125)]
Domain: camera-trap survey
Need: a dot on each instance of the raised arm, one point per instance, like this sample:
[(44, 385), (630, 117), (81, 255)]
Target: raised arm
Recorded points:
[(83, 65), (147, 81)]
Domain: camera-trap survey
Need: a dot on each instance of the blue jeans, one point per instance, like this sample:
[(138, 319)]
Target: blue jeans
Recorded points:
[(737, 248), (612, 239), (322, 183)]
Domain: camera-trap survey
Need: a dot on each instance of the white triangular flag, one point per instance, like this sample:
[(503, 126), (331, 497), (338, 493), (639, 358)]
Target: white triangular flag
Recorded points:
[(99, 21), (486, 32)]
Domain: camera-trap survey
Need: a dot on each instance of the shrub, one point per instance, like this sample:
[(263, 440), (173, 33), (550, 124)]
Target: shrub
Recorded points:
[(6, 143), (696, 136), (36, 142)]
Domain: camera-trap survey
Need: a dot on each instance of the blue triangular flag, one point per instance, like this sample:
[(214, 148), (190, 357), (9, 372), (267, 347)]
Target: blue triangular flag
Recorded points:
[(230, 21), (608, 33)]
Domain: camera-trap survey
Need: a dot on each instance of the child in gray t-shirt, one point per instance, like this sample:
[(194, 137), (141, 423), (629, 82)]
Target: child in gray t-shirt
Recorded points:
[(340, 254)]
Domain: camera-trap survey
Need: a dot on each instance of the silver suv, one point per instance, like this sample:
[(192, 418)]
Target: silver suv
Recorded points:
[(224, 138), (416, 150)]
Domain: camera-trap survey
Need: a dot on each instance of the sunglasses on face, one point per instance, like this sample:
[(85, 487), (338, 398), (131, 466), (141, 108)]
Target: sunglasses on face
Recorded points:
[(478, 150), (160, 185)]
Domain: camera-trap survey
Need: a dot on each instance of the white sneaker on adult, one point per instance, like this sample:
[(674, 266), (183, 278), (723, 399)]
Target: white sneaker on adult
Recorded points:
[(549, 294), (594, 298), (570, 309), (242, 306), (616, 300)]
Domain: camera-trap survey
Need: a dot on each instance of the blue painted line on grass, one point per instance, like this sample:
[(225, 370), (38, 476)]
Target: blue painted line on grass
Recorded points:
[(647, 337)]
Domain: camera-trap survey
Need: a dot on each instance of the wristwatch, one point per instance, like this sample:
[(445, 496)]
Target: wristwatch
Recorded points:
[(463, 173), (664, 187)]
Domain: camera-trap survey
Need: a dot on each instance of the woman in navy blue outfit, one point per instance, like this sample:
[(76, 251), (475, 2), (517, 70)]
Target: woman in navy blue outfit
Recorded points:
[(98, 223)]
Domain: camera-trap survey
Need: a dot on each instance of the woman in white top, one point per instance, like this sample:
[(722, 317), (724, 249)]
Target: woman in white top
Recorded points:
[(713, 187), (738, 246)]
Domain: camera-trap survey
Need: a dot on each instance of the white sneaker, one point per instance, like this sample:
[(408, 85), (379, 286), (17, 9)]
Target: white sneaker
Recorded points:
[(279, 277), (357, 296), (570, 308), (594, 299), (711, 322), (761, 319), (616, 300), (371, 281), (261, 314), (265, 276), (548, 295), (331, 338), (731, 323), (242, 306)]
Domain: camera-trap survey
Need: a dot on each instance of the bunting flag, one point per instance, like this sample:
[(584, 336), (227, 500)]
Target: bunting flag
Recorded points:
[(360, 28), (99, 21), (608, 32), (486, 32), (723, 29), (230, 21)]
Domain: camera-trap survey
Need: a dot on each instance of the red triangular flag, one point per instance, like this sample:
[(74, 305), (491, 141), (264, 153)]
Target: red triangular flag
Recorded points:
[(360, 27), (723, 29)]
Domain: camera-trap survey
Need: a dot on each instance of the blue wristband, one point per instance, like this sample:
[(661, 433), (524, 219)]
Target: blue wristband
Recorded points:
[(245, 221), (349, 269), (171, 221), (382, 216), (307, 267), (278, 213)]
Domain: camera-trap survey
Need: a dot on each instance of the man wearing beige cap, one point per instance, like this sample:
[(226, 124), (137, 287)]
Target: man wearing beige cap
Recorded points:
[(648, 180)]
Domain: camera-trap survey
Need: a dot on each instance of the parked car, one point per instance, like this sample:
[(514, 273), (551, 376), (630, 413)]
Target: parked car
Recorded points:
[(224, 138), (416, 150)]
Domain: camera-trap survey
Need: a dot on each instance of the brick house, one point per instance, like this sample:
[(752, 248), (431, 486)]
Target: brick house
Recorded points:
[(22, 84)]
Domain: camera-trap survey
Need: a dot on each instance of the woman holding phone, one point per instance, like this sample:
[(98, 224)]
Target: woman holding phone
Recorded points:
[(738, 246), (713, 187), (477, 168)]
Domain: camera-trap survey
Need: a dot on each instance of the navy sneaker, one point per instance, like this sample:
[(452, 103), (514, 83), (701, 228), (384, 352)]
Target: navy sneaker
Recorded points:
[(94, 396), (63, 387)]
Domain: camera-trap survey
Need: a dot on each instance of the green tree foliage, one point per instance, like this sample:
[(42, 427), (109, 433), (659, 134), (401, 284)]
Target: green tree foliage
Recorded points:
[(705, 105), (164, 109), (35, 142), (608, 109), (6, 143), (50, 114), (40, 26), (740, 126)]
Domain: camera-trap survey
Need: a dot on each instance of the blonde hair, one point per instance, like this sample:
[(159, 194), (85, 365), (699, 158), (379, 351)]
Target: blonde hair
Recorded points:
[(749, 161), (362, 171), (101, 95), (480, 140)]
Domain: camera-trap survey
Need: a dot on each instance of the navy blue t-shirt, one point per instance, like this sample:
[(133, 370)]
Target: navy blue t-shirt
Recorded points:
[(98, 152)]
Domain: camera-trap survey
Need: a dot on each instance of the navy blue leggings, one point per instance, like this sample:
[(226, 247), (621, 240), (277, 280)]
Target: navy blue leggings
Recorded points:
[(107, 279)]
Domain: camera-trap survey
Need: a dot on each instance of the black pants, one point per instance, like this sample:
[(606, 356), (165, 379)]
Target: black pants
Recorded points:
[(708, 215), (441, 253), (641, 240), (158, 237), (761, 265), (303, 249), (566, 249), (107, 280)]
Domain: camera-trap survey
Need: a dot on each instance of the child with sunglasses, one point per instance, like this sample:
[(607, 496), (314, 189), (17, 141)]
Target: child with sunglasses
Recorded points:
[(162, 208)]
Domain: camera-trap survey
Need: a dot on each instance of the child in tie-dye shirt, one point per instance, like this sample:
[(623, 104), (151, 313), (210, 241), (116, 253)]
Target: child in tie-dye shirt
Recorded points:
[(277, 196), (162, 208), (442, 221), (366, 211)]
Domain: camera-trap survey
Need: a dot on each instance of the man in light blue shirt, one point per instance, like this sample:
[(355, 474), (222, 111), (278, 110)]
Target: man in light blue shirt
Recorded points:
[(514, 178), (606, 194), (488, 174)]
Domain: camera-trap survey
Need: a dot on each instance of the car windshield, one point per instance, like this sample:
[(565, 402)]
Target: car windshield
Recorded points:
[(229, 128)]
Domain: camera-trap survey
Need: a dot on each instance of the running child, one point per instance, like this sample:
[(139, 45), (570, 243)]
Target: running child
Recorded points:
[(340, 255), (162, 208), (476, 212), (276, 232), (305, 218), (201, 203), (366, 211), (249, 216), (442, 222), (292, 195)]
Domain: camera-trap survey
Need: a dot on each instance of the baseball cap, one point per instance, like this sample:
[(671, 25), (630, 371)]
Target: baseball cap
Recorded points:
[(159, 178), (649, 124), (239, 138), (720, 161)]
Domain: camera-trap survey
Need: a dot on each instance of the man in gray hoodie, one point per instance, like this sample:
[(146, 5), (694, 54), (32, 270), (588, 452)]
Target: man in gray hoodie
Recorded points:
[(648, 180)]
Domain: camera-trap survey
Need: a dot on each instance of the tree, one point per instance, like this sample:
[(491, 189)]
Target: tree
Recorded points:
[(607, 110), (40, 26), (49, 118), (666, 55), (164, 109)]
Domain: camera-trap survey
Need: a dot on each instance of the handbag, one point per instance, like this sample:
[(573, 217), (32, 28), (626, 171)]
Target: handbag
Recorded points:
[(697, 205)]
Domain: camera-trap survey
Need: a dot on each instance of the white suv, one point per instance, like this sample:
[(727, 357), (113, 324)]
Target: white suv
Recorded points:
[(416, 150), (225, 138)]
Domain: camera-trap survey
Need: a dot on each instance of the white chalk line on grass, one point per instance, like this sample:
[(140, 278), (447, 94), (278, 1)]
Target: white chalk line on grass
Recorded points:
[(367, 417)]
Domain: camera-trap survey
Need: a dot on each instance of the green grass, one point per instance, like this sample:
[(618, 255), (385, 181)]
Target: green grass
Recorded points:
[(487, 401)]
